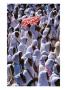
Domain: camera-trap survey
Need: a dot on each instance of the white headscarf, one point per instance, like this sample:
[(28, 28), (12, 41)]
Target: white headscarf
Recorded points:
[(29, 49), (22, 46), (44, 53), (36, 56), (53, 78), (43, 40), (14, 41), (35, 33), (52, 55), (49, 66), (9, 58), (23, 39), (15, 57), (14, 23), (42, 60), (43, 19), (27, 11), (10, 51), (42, 63), (45, 32), (42, 79), (55, 69), (57, 60), (27, 55), (29, 39), (18, 80), (35, 42), (46, 47)]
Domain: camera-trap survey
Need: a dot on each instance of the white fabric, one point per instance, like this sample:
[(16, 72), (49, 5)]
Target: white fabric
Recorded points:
[(53, 78), (42, 79), (36, 56), (52, 55), (45, 47)]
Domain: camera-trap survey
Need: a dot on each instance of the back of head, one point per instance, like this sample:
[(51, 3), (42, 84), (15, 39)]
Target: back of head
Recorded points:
[(16, 34)]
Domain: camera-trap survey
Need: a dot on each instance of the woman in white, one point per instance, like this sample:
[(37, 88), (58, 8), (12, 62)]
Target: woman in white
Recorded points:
[(42, 78), (23, 45), (42, 62), (50, 63)]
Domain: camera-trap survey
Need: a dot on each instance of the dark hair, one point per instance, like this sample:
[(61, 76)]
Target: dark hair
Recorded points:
[(54, 13), (37, 28), (23, 78), (15, 15), (12, 69), (21, 61), (30, 34), (17, 34), (52, 21), (58, 68), (33, 47), (30, 61), (57, 82), (20, 54), (17, 29), (52, 5), (14, 50)]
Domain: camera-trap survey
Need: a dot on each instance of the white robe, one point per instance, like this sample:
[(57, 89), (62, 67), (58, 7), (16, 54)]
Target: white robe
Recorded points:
[(36, 56)]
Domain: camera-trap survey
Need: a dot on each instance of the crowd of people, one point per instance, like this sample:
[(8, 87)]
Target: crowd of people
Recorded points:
[(33, 44)]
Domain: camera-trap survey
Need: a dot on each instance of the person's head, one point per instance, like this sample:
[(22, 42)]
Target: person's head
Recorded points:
[(54, 13), (38, 6), (57, 47), (33, 47), (20, 54), (23, 77), (15, 15), (47, 47), (56, 69), (53, 42), (16, 34), (24, 39), (43, 78), (52, 6), (11, 29), (30, 61), (43, 59), (14, 50), (52, 21), (29, 33), (37, 28), (52, 55), (34, 44), (45, 32)]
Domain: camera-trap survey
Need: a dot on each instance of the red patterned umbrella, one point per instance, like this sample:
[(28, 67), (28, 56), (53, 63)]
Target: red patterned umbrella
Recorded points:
[(31, 20)]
